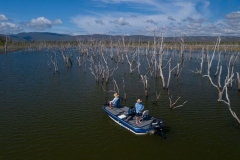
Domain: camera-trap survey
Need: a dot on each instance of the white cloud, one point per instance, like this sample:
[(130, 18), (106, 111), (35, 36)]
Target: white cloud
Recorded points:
[(3, 17), (57, 21), (121, 21), (114, 26), (233, 20), (6, 27), (42, 23), (163, 15), (233, 15)]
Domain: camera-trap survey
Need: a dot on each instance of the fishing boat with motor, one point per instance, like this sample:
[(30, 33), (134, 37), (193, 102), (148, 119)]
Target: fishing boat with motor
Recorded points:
[(126, 117)]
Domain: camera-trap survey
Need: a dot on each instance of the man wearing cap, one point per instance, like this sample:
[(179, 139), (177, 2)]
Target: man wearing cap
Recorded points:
[(115, 102), (139, 108)]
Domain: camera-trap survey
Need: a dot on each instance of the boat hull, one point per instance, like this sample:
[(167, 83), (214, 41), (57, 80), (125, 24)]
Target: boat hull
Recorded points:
[(119, 116)]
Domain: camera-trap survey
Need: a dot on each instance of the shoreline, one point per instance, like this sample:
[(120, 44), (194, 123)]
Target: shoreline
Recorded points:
[(188, 47)]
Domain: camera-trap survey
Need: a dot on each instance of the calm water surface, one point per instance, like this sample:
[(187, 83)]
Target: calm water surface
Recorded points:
[(59, 116)]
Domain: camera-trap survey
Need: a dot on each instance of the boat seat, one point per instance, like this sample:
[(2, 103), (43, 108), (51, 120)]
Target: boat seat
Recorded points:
[(114, 112), (118, 110), (125, 109)]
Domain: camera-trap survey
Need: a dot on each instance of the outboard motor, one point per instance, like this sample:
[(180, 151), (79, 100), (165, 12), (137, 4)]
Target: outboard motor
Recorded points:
[(157, 125)]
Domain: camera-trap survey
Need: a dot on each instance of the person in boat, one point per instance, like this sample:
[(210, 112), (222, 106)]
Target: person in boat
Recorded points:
[(115, 102), (139, 108)]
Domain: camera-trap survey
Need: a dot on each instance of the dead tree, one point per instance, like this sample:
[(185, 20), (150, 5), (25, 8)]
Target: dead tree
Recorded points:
[(94, 69), (218, 87), (6, 44), (131, 63), (79, 61), (138, 59), (182, 46), (111, 45), (157, 97), (65, 50), (54, 62), (133, 57), (231, 66), (238, 79), (115, 87), (179, 69), (107, 72), (209, 61), (228, 77), (160, 62), (171, 105), (151, 67), (190, 54), (144, 80), (227, 102), (170, 71), (124, 91), (201, 63), (80, 53), (219, 59)]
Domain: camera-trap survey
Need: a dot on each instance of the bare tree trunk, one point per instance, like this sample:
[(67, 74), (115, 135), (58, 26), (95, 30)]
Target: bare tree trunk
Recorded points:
[(201, 63), (6, 44), (182, 49), (160, 63), (190, 56), (54, 62), (94, 69), (124, 91), (170, 71), (231, 66), (144, 80), (219, 77), (219, 56), (138, 59), (238, 79), (106, 71), (202, 59), (208, 58)]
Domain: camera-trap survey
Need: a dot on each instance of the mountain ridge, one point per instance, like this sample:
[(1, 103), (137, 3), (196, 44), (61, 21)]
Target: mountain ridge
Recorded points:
[(49, 36)]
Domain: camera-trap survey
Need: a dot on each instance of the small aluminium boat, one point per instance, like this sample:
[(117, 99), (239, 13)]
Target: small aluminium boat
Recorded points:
[(125, 117)]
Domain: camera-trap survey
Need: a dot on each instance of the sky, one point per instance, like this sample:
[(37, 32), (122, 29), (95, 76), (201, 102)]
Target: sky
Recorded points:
[(122, 17)]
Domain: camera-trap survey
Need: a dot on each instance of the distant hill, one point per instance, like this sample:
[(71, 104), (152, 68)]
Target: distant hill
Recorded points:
[(41, 36), (46, 36)]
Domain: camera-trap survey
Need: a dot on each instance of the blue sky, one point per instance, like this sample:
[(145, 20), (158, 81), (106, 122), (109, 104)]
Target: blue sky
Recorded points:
[(121, 17)]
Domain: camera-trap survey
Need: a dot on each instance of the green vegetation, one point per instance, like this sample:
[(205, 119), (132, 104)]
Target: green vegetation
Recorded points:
[(2, 41)]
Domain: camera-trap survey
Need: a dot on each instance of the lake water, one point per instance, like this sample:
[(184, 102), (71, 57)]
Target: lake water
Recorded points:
[(59, 116)]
